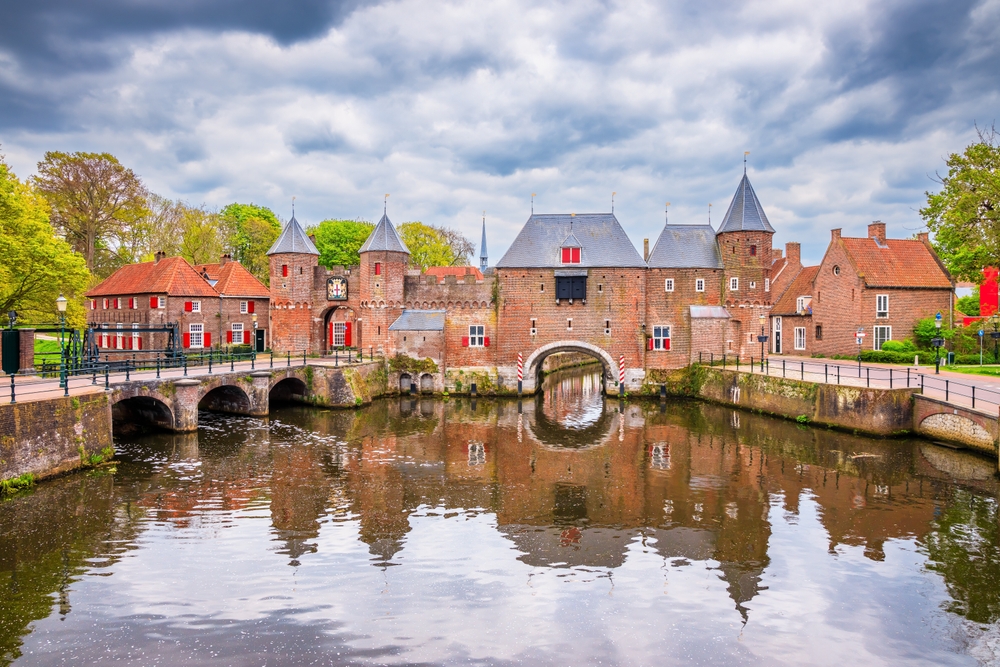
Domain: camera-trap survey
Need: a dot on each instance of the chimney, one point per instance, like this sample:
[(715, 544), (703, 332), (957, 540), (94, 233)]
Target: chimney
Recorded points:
[(645, 250), (876, 231), (776, 253), (794, 253), (834, 234), (158, 256), (312, 237), (923, 237), (225, 258)]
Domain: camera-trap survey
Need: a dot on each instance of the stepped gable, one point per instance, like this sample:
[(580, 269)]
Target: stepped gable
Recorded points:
[(896, 263), (170, 275), (232, 279), (803, 285), (600, 236), (384, 238), (686, 247), (293, 239), (745, 213)]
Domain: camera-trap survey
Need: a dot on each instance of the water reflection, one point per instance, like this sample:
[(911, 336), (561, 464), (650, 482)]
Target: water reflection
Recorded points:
[(710, 536)]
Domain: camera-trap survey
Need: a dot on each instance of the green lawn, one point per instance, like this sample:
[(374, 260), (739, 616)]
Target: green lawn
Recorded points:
[(47, 351), (975, 370)]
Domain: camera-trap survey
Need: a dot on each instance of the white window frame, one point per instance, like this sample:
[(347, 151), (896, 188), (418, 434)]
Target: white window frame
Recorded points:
[(661, 333), (477, 453), (477, 335), (659, 456), (734, 284), (243, 308), (668, 285), (237, 327), (135, 335), (120, 335), (882, 306), (767, 284), (161, 302), (199, 331), (105, 304), (196, 307), (800, 338), (699, 284), (340, 334), (877, 340), (800, 304)]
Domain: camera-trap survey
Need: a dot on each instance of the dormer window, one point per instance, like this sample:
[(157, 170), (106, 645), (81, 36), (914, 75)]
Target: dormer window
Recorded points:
[(570, 255)]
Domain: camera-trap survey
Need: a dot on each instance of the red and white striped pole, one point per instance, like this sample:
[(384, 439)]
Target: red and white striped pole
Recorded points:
[(621, 370), (520, 373)]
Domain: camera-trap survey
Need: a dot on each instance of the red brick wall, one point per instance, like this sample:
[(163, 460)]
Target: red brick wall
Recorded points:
[(674, 309), (291, 302), (751, 300)]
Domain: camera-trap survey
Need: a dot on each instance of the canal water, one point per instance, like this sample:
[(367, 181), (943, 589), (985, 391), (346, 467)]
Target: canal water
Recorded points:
[(564, 530)]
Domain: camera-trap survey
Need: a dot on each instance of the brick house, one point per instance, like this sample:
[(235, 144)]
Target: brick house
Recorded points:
[(878, 285), (162, 292), (244, 303), (791, 316)]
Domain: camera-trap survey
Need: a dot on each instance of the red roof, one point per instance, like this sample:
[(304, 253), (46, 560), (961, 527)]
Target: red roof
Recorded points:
[(441, 271), (172, 276), (234, 280), (899, 263), (801, 286)]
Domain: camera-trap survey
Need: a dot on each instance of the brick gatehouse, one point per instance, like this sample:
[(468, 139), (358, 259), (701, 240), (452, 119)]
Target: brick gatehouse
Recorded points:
[(568, 283)]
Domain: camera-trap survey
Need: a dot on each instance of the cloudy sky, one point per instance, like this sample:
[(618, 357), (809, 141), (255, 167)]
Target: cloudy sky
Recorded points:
[(848, 108)]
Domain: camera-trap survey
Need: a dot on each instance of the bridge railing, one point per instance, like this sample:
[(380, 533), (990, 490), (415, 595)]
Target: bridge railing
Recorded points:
[(858, 375)]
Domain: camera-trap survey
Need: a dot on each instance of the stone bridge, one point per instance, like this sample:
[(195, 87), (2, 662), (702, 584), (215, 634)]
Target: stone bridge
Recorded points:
[(939, 420)]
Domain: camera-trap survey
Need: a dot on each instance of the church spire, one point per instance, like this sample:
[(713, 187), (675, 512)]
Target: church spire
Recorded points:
[(483, 257)]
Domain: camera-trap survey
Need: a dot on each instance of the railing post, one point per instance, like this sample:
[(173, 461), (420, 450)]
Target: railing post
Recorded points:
[(94, 369), (868, 376), (723, 361), (890, 378), (336, 357), (272, 358), (209, 364), (802, 370), (699, 358), (253, 359), (13, 399), (826, 373), (371, 353), (303, 357), (751, 363), (907, 378), (782, 368), (838, 374), (921, 383), (157, 366), (126, 370), (185, 365), (973, 396), (107, 376), (946, 390), (288, 355), (711, 358), (232, 362)]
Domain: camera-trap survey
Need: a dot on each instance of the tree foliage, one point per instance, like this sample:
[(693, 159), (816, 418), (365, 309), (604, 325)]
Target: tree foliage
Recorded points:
[(965, 215), (969, 305), (94, 201), (435, 246), (37, 265), (251, 230), (339, 241), (202, 235)]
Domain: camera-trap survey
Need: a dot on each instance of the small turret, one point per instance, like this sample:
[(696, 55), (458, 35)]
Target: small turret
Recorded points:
[(483, 257)]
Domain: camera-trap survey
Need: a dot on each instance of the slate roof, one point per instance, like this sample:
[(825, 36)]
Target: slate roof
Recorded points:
[(172, 276), (745, 213), (899, 263), (482, 246), (602, 240), (419, 320), (234, 280), (708, 312), (293, 239), (384, 238), (686, 246), (803, 285)]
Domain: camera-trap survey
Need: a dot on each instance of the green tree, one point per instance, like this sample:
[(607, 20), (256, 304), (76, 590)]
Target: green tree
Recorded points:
[(251, 231), (202, 235), (969, 305), (37, 265), (428, 245), (965, 215), (94, 202), (338, 241)]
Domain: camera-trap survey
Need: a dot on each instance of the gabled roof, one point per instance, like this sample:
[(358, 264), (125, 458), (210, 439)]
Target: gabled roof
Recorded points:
[(172, 276), (745, 213), (803, 285), (439, 271), (571, 242), (384, 238), (419, 320), (234, 280), (898, 263), (686, 246), (602, 240), (293, 239)]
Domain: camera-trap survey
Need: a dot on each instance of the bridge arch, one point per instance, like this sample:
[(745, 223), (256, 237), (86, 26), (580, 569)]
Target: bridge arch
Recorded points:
[(226, 398), (288, 390), (533, 364), (142, 410)]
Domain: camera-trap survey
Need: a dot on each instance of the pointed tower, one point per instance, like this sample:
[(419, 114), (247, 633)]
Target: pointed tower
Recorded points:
[(483, 257), (384, 259), (744, 239), (293, 261)]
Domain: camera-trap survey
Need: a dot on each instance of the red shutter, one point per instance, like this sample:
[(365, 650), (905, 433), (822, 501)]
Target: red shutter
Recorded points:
[(347, 334), (138, 343), (378, 268), (250, 307), (187, 339), (131, 303), (208, 339), (486, 341), (576, 255), (565, 255), (187, 306), (329, 333), (229, 336), (152, 302), (93, 304), (649, 344), (666, 343), (246, 337), (284, 269), (465, 341)]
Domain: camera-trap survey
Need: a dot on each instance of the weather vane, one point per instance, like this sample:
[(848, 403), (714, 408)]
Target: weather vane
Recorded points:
[(533, 195), (745, 153), (385, 204), (709, 212), (666, 213), (613, 201)]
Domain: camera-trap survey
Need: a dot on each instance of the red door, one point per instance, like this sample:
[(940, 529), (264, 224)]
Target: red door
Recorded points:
[(330, 334), (347, 334)]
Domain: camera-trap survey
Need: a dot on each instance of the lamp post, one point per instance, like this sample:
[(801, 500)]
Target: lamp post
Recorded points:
[(61, 307), (937, 342), (254, 341), (859, 336), (995, 335), (762, 338)]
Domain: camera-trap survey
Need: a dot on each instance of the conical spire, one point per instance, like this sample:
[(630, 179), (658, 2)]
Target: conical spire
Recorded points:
[(293, 239), (745, 213), (483, 257), (384, 238)]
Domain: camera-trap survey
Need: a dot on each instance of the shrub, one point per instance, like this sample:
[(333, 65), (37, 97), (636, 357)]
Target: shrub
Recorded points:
[(905, 345)]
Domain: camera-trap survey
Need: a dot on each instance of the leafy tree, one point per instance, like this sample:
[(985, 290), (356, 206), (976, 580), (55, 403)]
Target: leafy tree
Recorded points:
[(461, 246), (969, 305), (251, 230), (965, 215), (202, 236), (37, 265), (429, 245), (338, 241), (926, 330), (94, 200)]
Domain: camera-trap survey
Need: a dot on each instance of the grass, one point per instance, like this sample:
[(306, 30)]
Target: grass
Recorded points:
[(993, 371), (46, 350), (9, 487)]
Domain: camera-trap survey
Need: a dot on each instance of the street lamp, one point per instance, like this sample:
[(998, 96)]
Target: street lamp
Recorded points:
[(762, 338), (61, 307), (859, 336), (937, 342), (254, 341)]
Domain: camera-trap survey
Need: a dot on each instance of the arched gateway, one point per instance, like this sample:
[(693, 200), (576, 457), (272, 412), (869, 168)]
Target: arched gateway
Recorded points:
[(533, 364)]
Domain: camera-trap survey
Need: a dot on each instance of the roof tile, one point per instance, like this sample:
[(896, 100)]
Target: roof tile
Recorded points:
[(603, 242), (171, 275), (801, 286), (899, 263)]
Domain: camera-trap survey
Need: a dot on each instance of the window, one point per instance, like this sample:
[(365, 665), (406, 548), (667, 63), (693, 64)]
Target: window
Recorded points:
[(767, 284), (800, 304), (819, 332), (800, 338), (93, 304), (340, 334), (196, 306), (836, 270), (378, 268), (753, 251), (753, 285), (542, 287), (161, 302), (197, 333), (118, 304), (661, 338), (136, 339), (534, 328), (284, 270), (570, 255), (243, 308), (120, 337), (569, 324), (659, 456), (105, 304), (600, 288), (882, 334), (476, 335), (734, 284), (477, 453), (236, 334), (571, 287), (699, 285), (668, 285), (881, 306)]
